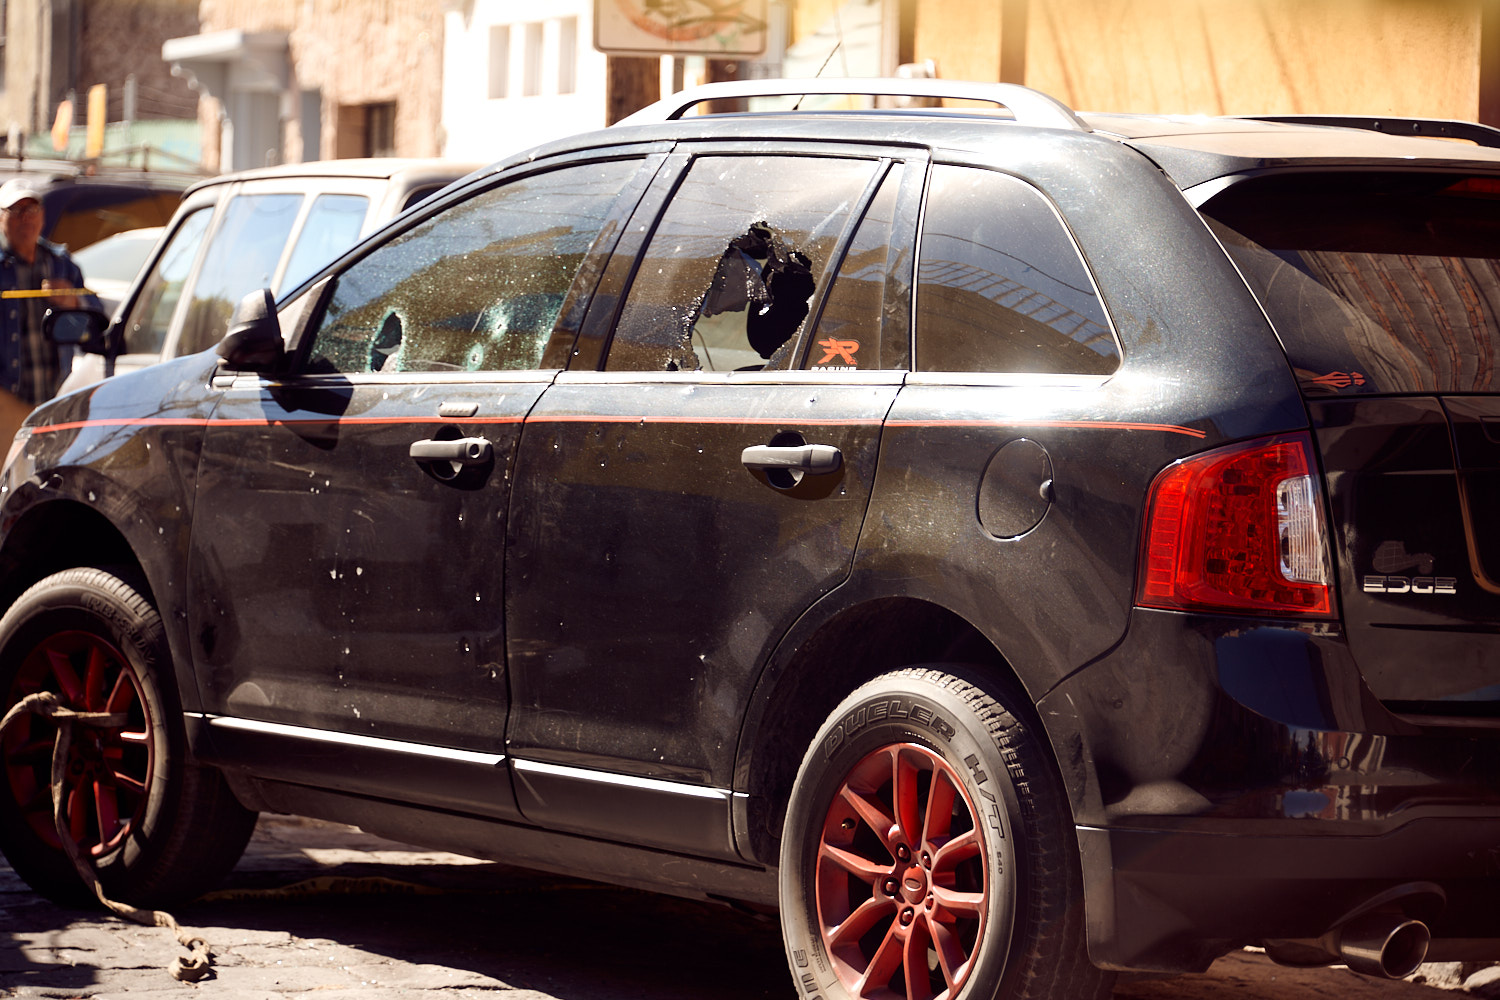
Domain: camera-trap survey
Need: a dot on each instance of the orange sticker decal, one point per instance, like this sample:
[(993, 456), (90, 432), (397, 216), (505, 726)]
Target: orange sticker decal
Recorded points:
[(844, 350), (1339, 380)]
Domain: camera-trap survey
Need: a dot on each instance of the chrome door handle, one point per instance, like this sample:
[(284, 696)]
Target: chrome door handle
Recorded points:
[(814, 458), (464, 451)]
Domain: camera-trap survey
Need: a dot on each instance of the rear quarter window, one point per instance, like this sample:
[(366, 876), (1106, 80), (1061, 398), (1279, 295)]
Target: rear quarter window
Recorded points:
[(1000, 283)]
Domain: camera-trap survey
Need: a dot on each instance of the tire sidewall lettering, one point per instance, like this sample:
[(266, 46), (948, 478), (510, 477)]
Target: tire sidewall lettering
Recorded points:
[(895, 710)]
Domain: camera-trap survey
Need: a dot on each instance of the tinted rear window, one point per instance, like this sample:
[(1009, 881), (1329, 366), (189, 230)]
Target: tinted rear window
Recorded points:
[(1375, 282), (82, 214)]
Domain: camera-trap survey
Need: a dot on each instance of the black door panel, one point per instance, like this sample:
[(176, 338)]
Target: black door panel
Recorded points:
[(327, 517), (650, 572)]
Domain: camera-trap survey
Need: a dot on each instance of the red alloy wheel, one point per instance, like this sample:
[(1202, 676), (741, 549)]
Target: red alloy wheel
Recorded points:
[(109, 768), (902, 889)]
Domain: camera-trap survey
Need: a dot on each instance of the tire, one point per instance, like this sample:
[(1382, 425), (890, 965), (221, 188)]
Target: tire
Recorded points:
[(158, 829), (975, 877)]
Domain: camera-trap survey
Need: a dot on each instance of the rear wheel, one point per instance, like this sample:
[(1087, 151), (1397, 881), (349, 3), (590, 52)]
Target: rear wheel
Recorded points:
[(928, 852), (156, 828)]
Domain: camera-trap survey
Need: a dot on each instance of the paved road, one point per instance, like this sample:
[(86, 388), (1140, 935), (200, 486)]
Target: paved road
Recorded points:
[(461, 928)]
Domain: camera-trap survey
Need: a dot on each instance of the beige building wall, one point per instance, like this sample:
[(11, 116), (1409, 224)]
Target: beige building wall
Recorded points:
[(23, 49), (357, 53), (1378, 57)]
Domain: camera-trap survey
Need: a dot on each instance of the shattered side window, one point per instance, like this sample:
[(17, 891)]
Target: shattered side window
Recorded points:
[(734, 264), (475, 288)]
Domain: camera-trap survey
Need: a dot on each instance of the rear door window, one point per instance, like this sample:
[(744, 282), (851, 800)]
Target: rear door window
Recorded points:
[(1000, 283), (852, 334), (1375, 282)]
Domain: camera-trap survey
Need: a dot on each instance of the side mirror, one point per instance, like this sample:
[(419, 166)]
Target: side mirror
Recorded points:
[(253, 343), (80, 328)]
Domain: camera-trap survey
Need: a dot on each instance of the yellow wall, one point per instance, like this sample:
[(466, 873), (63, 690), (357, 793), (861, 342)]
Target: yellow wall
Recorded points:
[(1380, 57)]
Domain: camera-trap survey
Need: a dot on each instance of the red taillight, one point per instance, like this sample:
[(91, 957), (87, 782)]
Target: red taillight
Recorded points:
[(1240, 529), (1475, 185)]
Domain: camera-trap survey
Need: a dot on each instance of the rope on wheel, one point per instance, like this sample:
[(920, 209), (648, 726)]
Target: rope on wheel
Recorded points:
[(190, 968)]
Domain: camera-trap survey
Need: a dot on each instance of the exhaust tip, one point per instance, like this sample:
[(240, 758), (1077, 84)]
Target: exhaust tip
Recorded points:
[(1388, 946)]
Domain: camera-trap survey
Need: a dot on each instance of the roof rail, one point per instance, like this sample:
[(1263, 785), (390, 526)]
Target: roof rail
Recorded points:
[(1030, 107), (1425, 128)]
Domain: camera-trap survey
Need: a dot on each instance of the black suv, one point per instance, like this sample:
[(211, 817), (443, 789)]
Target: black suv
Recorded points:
[(1016, 547)]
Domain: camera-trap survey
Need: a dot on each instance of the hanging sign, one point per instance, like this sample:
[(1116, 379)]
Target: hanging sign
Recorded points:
[(719, 29)]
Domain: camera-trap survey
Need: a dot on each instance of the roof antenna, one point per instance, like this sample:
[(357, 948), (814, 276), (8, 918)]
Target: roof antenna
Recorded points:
[(837, 45), (838, 26)]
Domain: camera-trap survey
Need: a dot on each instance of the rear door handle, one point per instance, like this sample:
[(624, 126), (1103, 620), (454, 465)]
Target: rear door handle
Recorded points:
[(464, 451), (813, 458)]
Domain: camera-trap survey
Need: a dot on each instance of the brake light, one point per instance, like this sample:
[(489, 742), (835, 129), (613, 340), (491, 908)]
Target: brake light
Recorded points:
[(1475, 185), (1241, 529)]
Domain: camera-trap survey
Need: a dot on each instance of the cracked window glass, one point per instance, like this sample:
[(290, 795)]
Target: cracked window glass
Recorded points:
[(850, 333), (1000, 284), (475, 288), (732, 268)]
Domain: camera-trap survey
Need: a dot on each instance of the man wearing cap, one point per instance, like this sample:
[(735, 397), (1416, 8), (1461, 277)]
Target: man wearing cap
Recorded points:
[(30, 364)]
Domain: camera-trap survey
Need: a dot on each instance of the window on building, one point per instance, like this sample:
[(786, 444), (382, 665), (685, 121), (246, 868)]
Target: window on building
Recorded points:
[(531, 84), (499, 61), (380, 129), (4, 22), (366, 130), (567, 55)]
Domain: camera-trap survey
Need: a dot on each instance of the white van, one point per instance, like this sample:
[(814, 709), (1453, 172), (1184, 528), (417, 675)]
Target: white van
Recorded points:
[(271, 227)]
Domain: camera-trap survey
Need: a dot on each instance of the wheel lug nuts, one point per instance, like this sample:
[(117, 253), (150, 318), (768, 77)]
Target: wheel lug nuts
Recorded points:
[(907, 916), (926, 860), (927, 903), (903, 853), (890, 886)]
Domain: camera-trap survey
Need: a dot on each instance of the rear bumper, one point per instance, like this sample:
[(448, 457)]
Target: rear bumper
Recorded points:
[(1234, 781), (1174, 900)]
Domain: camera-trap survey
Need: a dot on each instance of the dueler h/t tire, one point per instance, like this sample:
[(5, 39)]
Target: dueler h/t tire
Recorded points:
[(929, 853), (156, 828)]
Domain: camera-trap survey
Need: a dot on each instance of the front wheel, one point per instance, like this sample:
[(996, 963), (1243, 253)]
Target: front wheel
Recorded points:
[(156, 828), (928, 852)]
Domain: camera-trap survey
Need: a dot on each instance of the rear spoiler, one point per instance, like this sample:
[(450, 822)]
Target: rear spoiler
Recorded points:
[(1423, 128)]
